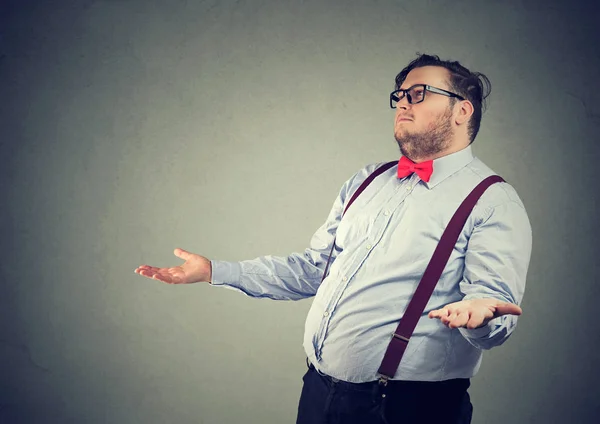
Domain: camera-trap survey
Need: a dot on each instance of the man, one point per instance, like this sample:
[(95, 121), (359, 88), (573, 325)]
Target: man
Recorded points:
[(382, 247)]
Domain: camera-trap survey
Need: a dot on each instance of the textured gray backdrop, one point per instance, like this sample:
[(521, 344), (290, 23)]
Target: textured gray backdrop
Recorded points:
[(129, 128)]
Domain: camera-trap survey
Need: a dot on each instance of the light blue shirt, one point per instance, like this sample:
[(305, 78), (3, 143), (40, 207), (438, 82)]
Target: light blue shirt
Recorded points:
[(384, 243)]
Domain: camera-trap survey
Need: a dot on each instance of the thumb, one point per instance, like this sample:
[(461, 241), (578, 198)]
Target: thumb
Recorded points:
[(183, 254), (508, 309)]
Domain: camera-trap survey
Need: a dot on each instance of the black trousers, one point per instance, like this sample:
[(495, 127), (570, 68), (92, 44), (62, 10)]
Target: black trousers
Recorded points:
[(325, 400)]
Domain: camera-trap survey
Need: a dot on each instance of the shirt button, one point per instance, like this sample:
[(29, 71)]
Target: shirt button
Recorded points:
[(408, 188), (368, 246), (326, 313), (386, 213), (345, 278)]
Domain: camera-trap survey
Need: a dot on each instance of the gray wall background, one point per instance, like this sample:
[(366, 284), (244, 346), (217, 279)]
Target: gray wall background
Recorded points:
[(129, 128)]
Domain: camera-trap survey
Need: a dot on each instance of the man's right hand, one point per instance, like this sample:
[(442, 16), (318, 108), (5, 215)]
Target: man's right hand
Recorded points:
[(195, 269)]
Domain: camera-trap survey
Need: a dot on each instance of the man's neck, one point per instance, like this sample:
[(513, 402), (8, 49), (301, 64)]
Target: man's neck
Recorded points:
[(453, 148)]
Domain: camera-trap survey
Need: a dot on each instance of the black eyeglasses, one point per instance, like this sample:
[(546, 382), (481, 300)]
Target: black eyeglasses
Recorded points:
[(416, 94)]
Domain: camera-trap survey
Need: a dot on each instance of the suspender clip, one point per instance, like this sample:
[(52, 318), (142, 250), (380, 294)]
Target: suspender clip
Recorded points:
[(398, 336)]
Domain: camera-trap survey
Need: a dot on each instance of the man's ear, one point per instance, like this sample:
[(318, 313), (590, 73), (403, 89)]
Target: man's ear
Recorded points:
[(465, 111)]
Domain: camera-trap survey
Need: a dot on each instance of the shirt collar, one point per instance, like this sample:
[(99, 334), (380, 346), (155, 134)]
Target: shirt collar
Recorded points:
[(447, 165)]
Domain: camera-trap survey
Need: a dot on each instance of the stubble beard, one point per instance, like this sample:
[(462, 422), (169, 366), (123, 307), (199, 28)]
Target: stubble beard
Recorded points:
[(428, 143)]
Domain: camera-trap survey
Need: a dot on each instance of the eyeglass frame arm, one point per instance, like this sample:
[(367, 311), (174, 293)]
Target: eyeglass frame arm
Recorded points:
[(427, 88)]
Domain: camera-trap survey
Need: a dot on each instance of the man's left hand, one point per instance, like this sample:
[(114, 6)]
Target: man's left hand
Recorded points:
[(474, 313)]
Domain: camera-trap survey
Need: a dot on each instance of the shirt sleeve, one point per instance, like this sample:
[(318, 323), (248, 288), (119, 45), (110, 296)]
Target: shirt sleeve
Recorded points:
[(496, 265), (292, 277)]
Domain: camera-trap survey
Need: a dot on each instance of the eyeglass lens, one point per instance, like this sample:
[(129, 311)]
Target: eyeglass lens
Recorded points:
[(414, 95)]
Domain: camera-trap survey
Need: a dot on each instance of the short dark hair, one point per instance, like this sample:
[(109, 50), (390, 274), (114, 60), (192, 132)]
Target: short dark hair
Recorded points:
[(473, 86)]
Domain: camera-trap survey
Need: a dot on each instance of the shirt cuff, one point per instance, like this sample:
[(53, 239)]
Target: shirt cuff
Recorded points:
[(480, 332), (225, 273)]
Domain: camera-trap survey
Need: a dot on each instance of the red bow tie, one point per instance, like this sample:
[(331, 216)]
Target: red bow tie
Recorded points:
[(407, 167)]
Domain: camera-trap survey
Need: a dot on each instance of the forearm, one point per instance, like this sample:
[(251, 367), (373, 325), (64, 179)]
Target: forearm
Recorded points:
[(294, 277)]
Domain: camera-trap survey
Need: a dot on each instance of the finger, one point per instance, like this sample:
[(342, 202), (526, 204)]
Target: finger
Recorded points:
[(435, 313), (453, 308), (141, 267), (162, 277), (147, 268), (460, 320), (478, 318), (508, 309), (156, 273), (153, 270), (439, 313), (146, 272), (183, 254), (453, 313)]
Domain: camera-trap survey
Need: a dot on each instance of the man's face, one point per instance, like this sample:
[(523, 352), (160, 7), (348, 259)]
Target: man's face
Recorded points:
[(424, 129)]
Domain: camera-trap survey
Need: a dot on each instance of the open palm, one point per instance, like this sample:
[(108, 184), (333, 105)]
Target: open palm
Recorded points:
[(195, 269), (474, 313)]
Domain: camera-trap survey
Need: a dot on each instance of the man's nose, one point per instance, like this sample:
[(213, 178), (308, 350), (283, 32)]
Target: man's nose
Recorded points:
[(403, 103)]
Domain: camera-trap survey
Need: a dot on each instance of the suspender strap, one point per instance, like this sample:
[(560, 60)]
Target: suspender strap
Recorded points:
[(368, 180), (361, 188), (433, 272)]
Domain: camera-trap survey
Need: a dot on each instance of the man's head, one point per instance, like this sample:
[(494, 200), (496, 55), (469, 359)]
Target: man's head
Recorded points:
[(445, 114)]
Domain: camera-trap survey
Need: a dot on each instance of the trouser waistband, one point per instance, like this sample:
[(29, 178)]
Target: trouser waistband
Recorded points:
[(456, 384)]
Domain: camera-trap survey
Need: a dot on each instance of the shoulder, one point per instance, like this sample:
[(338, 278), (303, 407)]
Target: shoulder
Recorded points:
[(354, 182), (501, 196), (498, 193)]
